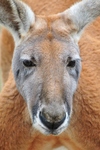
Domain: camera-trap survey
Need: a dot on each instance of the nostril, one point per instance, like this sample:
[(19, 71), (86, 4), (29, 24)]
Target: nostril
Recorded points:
[(57, 124), (44, 121), (51, 125)]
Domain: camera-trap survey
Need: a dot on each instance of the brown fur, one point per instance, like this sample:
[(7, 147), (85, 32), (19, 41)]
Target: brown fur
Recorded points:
[(44, 7), (83, 132)]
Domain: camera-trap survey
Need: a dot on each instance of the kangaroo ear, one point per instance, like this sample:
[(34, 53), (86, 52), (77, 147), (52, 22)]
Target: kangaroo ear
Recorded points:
[(17, 17), (80, 15)]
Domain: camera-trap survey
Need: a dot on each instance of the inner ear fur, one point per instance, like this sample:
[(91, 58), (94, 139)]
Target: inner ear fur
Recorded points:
[(80, 15), (16, 16)]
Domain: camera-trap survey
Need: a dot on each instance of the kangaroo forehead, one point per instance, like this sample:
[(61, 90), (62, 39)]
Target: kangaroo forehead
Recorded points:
[(50, 27), (50, 36)]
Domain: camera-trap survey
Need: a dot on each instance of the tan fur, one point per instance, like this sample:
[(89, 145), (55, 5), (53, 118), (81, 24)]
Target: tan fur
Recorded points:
[(83, 132), (44, 7)]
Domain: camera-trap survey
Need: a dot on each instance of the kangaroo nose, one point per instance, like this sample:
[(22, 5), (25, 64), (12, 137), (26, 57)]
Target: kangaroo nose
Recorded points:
[(52, 125)]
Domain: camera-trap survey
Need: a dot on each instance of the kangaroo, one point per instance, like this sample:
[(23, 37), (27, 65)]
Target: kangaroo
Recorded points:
[(49, 100)]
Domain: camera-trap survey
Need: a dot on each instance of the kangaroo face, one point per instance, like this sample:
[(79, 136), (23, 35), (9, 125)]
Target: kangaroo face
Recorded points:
[(46, 62), (46, 67)]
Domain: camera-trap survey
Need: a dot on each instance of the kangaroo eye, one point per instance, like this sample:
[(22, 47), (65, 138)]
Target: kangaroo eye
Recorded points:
[(71, 63), (29, 63)]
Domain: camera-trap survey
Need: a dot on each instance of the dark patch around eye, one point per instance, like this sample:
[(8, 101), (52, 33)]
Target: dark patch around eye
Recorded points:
[(77, 73), (71, 63), (29, 63), (17, 73)]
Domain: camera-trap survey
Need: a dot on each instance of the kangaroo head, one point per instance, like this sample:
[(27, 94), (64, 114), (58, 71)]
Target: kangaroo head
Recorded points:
[(46, 67), (46, 62)]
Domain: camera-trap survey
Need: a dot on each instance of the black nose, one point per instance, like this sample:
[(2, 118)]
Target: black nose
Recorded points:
[(51, 125)]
